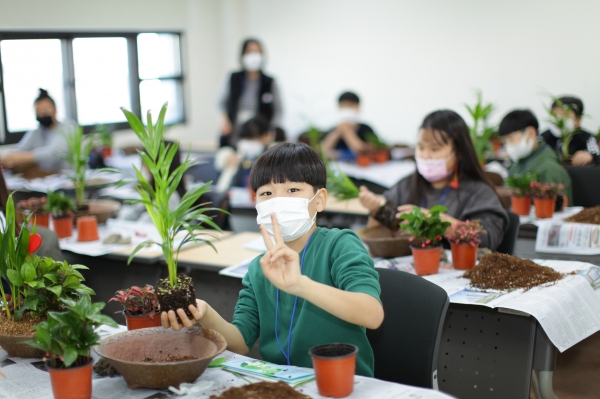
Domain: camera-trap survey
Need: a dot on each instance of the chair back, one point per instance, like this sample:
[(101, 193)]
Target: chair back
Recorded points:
[(585, 192), (406, 344), (507, 246)]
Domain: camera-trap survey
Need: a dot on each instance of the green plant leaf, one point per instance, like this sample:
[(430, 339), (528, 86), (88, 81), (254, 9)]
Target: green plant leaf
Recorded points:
[(218, 362), (69, 356), (14, 277), (56, 289)]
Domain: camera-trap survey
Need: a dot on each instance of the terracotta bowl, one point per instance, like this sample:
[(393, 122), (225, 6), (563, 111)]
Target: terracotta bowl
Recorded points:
[(16, 347), (126, 351), (384, 242), (102, 209)]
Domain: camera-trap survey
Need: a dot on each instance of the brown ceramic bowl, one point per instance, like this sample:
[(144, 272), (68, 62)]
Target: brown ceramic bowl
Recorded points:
[(128, 350), (384, 242), (102, 209), (15, 346)]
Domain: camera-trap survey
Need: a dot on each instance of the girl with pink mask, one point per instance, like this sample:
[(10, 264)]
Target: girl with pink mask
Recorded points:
[(448, 174)]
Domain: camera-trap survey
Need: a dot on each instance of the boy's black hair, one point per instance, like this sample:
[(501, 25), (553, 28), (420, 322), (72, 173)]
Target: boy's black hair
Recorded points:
[(519, 119), (44, 96), (349, 97), (289, 162), (254, 128), (575, 103)]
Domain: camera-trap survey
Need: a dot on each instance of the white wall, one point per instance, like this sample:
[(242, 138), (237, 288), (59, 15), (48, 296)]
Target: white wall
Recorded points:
[(407, 58)]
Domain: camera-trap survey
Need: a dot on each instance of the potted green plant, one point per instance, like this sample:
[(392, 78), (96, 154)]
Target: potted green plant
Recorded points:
[(104, 139), (563, 124), (521, 196), (464, 243), (78, 152), (66, 338), (140, 306), (481, 131), (544, 198), (381, 153), (34, 209), (61, 207), (338, 183), (427, 231)]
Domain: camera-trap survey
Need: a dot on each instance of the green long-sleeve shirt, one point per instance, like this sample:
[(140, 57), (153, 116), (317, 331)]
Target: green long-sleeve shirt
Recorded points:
[(333, 257), (545, 162)]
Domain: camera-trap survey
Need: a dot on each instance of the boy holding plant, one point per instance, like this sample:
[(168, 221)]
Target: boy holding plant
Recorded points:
[(312, 286)]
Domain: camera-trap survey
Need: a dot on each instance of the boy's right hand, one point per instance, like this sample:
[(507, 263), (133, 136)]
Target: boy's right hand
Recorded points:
[(370, 200), (169, 319)]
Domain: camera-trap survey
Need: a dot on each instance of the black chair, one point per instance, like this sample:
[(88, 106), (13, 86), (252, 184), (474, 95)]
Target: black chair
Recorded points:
[(584, 182), (406, 344), (507, 246)]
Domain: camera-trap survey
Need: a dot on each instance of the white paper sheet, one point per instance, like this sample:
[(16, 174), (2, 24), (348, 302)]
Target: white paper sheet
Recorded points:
[(556, 236), (557, 216), (258, 244), (237, 271)]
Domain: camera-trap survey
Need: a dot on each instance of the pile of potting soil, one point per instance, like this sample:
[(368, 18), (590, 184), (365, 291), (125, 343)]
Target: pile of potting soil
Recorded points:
[(502, 272), (588, 215), (25, 326), (104, 368), (262, 390), (170, 358)]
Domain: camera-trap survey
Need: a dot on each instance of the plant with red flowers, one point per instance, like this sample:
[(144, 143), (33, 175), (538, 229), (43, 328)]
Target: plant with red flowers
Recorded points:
[(32, 205), (427, 230), (545, 190), (466, 233), (138, 301)]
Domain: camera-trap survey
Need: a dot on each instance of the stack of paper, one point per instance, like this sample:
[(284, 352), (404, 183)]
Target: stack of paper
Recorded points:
[(262, 370)]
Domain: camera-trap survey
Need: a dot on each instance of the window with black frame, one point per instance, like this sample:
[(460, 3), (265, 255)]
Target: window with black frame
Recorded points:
[(89, 76)]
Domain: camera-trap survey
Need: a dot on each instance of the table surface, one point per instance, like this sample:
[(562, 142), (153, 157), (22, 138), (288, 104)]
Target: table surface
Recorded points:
[(350, 207)]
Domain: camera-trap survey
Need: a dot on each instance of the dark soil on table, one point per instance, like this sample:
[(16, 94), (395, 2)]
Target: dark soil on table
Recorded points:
[(104, 368), (588, 215), (23, 327), (178, 297), (262, 390), (170, 358), (501, 272)]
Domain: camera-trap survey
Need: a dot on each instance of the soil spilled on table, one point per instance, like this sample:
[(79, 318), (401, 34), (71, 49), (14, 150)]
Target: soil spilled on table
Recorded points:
[(23, 327), (178, 297), (588, 215), (262, 390), (501, 272), (170, 358)]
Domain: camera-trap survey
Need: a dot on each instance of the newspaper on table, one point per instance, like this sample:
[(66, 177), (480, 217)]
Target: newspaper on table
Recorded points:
[(568, 310), (568, 238)]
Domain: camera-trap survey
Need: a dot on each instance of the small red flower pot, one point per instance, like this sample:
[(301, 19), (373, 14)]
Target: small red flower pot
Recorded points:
[(520, 205), (363, 160), (41, 219), (335, 365), (63, 227), (71, 383), (87, 228), (106, 152), (381, 156), (141, 321), (544, 207), (426, 260), (464, 256)]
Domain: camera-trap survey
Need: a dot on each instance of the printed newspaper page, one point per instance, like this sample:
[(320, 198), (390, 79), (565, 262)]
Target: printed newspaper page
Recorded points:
[(568, 238)]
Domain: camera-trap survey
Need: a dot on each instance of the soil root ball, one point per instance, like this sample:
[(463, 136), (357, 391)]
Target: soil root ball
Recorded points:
[(588, 215), (502, 272), (178, 297), (262, 390)]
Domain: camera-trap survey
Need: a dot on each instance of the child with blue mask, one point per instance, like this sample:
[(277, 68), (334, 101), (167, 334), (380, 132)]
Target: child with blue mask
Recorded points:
[(312, 286)]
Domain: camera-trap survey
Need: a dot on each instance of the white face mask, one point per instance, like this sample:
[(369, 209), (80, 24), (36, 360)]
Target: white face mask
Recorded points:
[(520, 150), (347, 115), (292, 216), (555, 131), (250, 149), (252, 62), (570, 125)]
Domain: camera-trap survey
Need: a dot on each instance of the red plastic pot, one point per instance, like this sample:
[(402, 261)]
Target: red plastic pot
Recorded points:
[(363, 160), (426, 260), (71, 383), (544, 207), (520, 205), (335, 365), (381, 156), (87, 228), (41, 219), (63, 227), (106, 152), (464, 256), (142, 321)]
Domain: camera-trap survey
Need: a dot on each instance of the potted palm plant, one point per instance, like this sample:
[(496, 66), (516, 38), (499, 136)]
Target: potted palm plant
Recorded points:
[(140, 307), (78, 152), (521, 197), (381, 154), (544, 198), (563, 123), (427, 231), (464, 243), (104, 140), (61, 207), (481, 132), (66, 338)]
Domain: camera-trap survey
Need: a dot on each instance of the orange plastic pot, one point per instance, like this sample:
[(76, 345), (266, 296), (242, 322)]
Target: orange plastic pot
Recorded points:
[(464, 256), (87, 228), (544, 207), (381, 156), (363, 160), (520, 205), (106, 152), (426, 260), (71, 383), (335, 365), (63, 227), (41, 219), (142, 321)]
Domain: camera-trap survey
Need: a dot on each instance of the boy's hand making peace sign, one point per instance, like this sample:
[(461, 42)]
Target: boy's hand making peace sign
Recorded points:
[(280, 264)]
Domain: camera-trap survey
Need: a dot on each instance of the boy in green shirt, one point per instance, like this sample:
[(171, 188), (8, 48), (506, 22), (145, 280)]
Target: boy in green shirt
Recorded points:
[(312, 286), (518, 133)]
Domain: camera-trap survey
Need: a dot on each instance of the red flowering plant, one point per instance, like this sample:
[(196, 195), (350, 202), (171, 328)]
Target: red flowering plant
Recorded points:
[(427, 230), (545, 190), (138, 301), (32, 205), (466, 233)]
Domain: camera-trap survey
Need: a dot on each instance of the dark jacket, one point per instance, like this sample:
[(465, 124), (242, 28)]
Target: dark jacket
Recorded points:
[(265, 97), (580, 141)]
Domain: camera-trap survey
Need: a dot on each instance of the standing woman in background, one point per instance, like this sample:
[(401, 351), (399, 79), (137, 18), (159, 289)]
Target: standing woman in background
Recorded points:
[(248, 93)]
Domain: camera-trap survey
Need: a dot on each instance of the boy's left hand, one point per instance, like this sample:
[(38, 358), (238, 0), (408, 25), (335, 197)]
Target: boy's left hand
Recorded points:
[(280, 264)]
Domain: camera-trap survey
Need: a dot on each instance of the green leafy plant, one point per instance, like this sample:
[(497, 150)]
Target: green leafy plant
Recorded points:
[(314, 138), (481, 131), (157, 156), (375, 141), (467, 232), (59, 204), (562, 123), (338, 183), (68, 336), (545, 190), (137, 301), (103, 136), (78, 152), (427, 230), (521, 184)]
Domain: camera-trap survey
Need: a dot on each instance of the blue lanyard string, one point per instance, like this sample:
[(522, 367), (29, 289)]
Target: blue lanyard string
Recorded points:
[(289, 340), (444, 195)]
